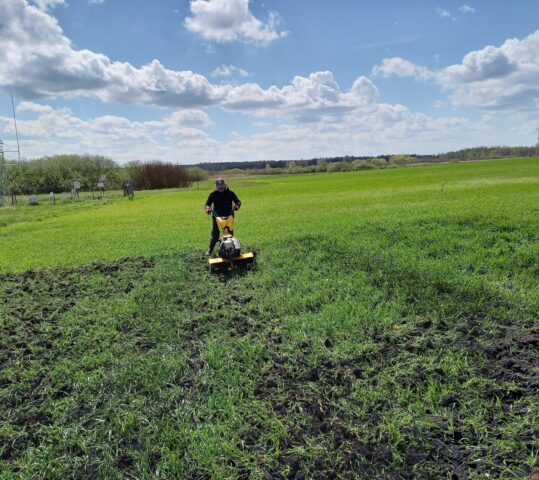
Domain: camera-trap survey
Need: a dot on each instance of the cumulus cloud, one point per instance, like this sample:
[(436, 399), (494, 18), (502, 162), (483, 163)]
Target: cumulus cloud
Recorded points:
[(316, 115), (376, 128), (230, 20), (306, 98), (504, 77), (476, 66), (229, 70), (42, 127), (189, 118), (399, 67), (43, 63)]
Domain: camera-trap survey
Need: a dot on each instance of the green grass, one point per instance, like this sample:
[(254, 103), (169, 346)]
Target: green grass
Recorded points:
[(389, 331)]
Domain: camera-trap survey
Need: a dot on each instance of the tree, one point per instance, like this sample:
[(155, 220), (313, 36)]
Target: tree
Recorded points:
[(361, 165), (197, 174), (321, 165)]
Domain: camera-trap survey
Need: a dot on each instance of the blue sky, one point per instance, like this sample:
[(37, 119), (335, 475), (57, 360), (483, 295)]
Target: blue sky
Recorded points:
[(213, 80)]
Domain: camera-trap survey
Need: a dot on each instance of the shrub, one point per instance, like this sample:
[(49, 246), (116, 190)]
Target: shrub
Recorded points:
[(402, 160), (377, 162), (339, 167), (321, 166), (156, 175), (197, 174), (361, 165)]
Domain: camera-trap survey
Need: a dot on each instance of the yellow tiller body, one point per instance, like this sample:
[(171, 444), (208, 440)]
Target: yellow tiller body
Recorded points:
[(230, 256)]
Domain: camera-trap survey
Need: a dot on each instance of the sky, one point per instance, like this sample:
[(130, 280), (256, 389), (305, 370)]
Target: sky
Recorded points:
[(189, 81)]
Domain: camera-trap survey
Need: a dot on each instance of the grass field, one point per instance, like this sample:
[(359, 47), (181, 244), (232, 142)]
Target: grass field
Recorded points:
[(390, 331)]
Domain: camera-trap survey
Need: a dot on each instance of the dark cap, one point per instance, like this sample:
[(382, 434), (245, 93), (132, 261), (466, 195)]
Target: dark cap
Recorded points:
[(220, 183)]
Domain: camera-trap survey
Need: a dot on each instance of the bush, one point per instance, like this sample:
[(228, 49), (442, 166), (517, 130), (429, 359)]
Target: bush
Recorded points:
[(197, 174), (339, 167), (321, 166), (402, 160), (361, 165), (157, 175), (377, 162)]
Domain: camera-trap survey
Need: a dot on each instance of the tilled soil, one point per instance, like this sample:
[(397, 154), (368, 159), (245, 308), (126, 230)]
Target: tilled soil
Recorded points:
[(32, 303), (394, 408)]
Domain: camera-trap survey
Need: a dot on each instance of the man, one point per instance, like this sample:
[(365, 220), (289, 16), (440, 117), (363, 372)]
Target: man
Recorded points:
[(224, 203)]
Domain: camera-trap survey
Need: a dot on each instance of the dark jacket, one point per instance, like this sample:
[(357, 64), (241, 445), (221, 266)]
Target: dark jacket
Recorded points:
[(222, 202)]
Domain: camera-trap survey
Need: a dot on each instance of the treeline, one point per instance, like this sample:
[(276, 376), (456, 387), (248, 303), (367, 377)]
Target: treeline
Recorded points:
[(350, 162), (58, 174)]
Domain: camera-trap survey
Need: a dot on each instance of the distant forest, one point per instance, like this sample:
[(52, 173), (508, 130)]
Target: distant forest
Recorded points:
[(476, 153)]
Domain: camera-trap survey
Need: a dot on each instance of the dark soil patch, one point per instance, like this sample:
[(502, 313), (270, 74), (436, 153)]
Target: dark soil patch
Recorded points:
[(317, 405), (35, 302)]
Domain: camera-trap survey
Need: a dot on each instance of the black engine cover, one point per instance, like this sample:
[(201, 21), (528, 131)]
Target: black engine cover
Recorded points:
[(229, 248)]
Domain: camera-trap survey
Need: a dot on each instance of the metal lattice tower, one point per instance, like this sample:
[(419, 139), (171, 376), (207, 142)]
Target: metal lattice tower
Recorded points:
[(3, 174)]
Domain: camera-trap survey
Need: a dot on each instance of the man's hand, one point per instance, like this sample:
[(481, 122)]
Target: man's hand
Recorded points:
[(207, 210), (236, 207)]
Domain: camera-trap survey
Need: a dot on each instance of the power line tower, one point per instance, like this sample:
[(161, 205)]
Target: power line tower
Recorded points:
[(3, 175)]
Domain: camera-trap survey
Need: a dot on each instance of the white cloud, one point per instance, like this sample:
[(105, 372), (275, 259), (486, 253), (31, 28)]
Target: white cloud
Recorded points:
[(480, 65), (443, 13), (47, 130), (399, 67), (306, 99), (466, 9), (182, 122), (504, 77), (376, 128), (185, 132), (189, 118), (230, 20), (48, 4), (34, 107), (43, 63), (315, 115), (229, 70)]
